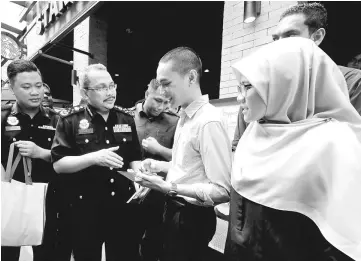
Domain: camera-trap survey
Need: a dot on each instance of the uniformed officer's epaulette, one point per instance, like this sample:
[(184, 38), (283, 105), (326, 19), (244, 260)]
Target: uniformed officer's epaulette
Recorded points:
[(6, 107), (129, 111), (49, 110), (70, 111)]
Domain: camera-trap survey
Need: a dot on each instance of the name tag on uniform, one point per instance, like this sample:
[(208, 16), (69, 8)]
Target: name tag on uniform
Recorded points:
[(122, 128), (12, 128), (86, 131), (46, 127)]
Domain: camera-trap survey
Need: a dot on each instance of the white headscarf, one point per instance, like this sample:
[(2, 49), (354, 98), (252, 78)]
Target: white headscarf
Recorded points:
[(311, 163)]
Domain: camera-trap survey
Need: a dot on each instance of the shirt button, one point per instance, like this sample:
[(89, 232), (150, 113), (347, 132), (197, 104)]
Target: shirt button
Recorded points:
[(111, 180), (86, 140), (124, 139), (80, 196), (107, 141), (113, 193)]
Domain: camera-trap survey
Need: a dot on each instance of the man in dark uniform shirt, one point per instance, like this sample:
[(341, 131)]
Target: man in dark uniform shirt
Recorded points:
[(155, 127), (90, 144), (32, 128)]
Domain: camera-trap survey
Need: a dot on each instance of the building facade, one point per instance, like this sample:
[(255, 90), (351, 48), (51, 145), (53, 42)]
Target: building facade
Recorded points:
[(66, 36)]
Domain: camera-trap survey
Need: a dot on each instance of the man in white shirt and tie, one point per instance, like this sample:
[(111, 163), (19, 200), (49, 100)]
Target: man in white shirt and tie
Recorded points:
[(199, 173)]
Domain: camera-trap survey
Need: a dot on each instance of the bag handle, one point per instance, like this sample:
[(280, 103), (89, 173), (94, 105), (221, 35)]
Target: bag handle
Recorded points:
[(11, 167), (9, 164), (27, 170)]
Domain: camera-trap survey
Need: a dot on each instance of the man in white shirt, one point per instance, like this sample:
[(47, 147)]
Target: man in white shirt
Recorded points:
[(199, 173)]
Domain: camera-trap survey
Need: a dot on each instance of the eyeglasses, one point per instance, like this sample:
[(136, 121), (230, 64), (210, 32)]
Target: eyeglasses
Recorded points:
[(104, 89), (243, 88)]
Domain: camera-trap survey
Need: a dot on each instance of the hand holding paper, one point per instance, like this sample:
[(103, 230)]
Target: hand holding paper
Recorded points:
[(152, 181)]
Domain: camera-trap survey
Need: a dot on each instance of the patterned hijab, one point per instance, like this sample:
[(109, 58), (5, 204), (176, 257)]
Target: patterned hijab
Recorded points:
[(306, 156)]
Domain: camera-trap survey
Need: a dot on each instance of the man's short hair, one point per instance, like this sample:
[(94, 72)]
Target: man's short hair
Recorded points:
[(20, 66), (184, 59), (47, 87), (84, 80), (153, 85), (315, 13)]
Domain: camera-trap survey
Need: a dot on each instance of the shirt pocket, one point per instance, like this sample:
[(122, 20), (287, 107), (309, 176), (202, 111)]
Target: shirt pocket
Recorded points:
[(12, 136), (123, 138), (45, 138), (86, 143)]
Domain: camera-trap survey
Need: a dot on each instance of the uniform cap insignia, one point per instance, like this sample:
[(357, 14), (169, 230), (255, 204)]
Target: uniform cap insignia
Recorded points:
[(12, 120)]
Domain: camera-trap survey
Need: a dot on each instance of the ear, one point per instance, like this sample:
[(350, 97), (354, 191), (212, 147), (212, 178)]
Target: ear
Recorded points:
[(318, 36), (84, 94), (193, 76), (146, 94), (11, 88)]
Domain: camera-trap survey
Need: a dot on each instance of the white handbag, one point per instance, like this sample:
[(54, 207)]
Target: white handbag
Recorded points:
[(22, 206)]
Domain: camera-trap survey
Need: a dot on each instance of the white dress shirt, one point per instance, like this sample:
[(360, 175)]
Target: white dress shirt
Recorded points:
[(202, 154)]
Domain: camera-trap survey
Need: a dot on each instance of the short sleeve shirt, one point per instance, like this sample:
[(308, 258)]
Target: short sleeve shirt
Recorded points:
[(16, 126), (82, 130)]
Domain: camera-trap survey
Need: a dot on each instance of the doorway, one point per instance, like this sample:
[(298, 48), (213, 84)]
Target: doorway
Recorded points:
[(140, 33)]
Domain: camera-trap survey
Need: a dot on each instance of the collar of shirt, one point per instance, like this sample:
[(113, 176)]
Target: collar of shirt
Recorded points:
[(15, 110), (139, 107), (93, 114), (195, 106)]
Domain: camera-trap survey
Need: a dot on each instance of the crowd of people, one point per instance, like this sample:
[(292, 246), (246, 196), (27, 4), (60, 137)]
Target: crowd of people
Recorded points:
[(293, 182)]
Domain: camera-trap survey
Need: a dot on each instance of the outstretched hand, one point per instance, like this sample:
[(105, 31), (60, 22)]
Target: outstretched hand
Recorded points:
[(108, 158)]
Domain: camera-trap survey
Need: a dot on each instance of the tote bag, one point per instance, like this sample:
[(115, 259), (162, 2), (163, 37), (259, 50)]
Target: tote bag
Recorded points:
[(22, 206)]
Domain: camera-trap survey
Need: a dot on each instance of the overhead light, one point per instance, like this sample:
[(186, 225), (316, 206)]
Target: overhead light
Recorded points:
[(206, 70), (252, 10)]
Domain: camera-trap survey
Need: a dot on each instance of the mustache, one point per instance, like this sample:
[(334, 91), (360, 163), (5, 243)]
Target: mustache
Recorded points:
[(109, 98)]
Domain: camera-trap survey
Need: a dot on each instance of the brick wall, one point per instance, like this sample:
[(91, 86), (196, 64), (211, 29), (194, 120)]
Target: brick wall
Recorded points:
[(240, 39)]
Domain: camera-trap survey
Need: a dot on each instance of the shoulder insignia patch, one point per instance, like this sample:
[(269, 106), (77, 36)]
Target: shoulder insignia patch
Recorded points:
[(64, 112), (71, 110), (6, 107), (130, 111)]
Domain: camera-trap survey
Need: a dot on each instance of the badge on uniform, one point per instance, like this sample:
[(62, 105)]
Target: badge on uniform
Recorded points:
[(46, 127), (121, 128), (12, 120), (12, 128), (64, 112), (84, 127)]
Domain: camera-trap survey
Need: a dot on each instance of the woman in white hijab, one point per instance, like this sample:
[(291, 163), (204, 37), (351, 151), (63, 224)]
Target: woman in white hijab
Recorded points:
[(296, 174)]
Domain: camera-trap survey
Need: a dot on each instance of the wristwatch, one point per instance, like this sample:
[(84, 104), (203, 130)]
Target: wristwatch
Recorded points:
[(173, 190)]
